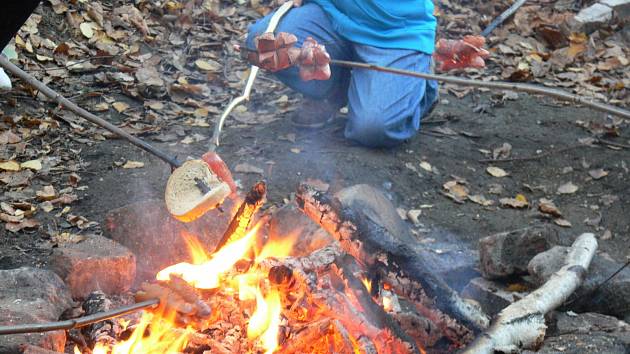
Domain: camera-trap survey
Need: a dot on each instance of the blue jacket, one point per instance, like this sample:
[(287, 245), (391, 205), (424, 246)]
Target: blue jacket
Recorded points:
[(396, 24)]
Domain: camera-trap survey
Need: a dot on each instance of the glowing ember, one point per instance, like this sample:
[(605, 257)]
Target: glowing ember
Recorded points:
[(367, 283), (163, 337)]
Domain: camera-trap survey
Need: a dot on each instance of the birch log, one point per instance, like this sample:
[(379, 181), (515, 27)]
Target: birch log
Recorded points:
[(522, 324)]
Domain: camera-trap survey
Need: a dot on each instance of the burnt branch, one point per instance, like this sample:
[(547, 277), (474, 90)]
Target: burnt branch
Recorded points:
[(244, 215), (371, 243)]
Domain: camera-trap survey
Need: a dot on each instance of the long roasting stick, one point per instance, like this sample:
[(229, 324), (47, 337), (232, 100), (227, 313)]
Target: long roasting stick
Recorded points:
[(69, 105), (495, 85), (78, 322), (218, 126)]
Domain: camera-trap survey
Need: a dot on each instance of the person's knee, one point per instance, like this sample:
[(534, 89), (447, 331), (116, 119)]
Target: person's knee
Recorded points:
[(371, 130)]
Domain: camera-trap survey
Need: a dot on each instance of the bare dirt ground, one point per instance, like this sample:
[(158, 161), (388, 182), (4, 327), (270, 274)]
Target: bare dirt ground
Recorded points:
[(454, 140)]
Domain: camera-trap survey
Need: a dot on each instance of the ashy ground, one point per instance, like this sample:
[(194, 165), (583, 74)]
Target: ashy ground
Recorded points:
[(571, 160)]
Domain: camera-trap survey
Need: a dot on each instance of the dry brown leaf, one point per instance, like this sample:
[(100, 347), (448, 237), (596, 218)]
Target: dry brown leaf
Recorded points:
[(87, 29), (456, 191), (547, 206), (25, 224), (133, 164), (426, 166), (34, 165), (120, 106), (67, 237), (568, 188), (562, 222), (598, 173), (10, 165), (496, 171), (481, 200), (9, 137), (47, 193), (208, 65), (518, 202)]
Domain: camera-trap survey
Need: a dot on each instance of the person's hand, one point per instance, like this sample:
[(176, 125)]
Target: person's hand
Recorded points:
[(458, 54), (278, 52), (296, 3)]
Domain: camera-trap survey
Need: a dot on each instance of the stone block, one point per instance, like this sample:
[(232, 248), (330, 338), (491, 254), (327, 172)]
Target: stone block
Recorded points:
[(621, 8), (591, 18), (30, 295), (157, 239), (491, 296), (96, 263), (613, 298), (509, 253)]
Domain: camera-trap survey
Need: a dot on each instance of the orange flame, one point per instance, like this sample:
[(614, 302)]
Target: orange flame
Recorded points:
[(208, 271), (207, 275)]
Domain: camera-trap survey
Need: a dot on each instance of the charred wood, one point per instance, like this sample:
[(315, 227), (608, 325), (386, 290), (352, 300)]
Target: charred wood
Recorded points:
[(244, 215), (371, 243)]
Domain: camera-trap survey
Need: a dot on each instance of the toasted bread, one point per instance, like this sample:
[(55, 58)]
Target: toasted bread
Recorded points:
[(185, 200)]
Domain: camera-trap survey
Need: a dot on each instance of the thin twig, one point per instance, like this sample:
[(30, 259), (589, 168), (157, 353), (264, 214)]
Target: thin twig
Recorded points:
[(535, 157), (78, 322), (504, 16), (612, 143)]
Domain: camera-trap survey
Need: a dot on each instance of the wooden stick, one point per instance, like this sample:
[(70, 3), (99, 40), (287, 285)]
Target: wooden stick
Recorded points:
[(522, 324), (69, 105), (495, 85), (504, 16), (243, 217), (77, 322)]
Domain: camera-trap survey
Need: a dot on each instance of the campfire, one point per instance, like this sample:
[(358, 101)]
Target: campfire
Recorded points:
[(260, 292)]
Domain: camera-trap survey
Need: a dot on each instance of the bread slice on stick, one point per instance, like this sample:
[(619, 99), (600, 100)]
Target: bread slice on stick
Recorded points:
[(185, 200)]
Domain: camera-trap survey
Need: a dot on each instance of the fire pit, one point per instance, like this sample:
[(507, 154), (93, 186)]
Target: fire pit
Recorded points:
[(359, 291)]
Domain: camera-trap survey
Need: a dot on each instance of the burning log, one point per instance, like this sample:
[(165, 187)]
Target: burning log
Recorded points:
[(244, 215), (373, 244), (522, 324)]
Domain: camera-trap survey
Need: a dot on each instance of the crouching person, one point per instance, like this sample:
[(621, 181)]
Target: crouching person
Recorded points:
[(383, 109)]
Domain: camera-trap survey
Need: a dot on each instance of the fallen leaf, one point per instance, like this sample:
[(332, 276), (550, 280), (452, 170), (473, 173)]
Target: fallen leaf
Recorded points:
[(567, 188), (456, 191), (133, 164), (47, 193), (208, 65), (562, 222), (547, 206), (598, 173), (9, 137), (426, 166), (247, 168), (607, 235), (47, 206), (496, 171), (414, 216), (502, 152), (87, 29), (518, 202), (10, 165), (67, 237), (120, 106), (35, 165), (481, 200), (26, 224)]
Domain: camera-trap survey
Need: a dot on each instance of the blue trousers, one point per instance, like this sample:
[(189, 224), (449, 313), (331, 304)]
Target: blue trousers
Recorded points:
[(383, 109)]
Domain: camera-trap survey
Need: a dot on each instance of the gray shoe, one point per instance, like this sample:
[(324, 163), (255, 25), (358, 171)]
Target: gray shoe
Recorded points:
[(314, 114)]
